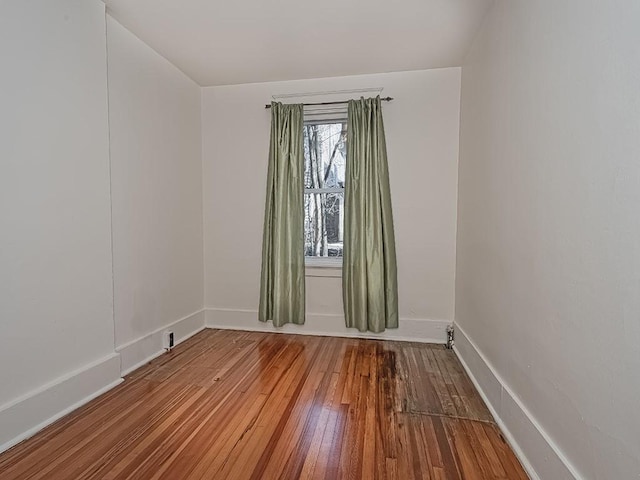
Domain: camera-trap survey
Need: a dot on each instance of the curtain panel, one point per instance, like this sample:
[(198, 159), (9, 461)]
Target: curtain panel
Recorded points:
[(282, 294), (369, 272)]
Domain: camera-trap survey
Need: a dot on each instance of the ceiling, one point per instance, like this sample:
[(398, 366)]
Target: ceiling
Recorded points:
[(218, 42)]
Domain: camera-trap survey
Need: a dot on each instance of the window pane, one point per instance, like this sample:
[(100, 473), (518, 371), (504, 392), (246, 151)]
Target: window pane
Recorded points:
[(325, 154), (323, 224)]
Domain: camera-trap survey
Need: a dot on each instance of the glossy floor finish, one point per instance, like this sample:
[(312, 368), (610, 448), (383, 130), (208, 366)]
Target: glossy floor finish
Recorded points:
[(248, 405)]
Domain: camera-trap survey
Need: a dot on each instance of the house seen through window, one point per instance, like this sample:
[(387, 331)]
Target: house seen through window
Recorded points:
[(325, 155)]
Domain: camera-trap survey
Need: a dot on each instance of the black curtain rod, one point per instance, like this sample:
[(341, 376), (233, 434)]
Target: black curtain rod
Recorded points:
[(385, 99)]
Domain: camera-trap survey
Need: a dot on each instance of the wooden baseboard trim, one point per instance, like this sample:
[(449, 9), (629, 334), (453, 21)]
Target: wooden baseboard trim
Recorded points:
[(142, 350), (410, 330), (539, 455), (27, 415)]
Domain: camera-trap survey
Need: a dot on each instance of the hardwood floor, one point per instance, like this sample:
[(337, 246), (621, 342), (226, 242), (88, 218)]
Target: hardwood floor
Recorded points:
[(248, 405)]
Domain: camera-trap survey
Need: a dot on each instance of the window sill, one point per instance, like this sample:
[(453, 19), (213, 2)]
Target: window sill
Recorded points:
[(324, 267)]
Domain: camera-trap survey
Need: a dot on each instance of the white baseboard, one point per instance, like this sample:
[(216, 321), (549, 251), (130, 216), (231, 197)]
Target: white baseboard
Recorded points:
[(142, 350), (410, 330), (539, 455), (25, 416)]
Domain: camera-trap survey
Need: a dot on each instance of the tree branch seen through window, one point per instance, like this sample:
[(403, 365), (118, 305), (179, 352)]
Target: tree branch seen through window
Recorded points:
[(325, 152)]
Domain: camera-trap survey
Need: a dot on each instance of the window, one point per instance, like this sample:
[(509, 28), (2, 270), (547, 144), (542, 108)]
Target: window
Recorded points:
[(325, 155)]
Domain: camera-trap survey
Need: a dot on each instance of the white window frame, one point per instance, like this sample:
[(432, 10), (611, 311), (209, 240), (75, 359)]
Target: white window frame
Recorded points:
[(324, 266)]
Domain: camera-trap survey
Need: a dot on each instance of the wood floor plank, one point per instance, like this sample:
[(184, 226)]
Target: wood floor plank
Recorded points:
[(247, 405)]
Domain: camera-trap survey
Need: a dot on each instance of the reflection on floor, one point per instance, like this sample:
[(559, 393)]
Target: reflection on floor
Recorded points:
[(248, 405)]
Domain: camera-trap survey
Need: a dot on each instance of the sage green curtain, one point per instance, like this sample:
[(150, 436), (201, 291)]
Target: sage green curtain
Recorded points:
[(369, 272), (282, 278)]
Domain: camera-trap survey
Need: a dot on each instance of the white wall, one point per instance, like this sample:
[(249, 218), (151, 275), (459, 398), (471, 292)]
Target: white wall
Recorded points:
[(548, 270), (422, 136), (154, 112), (55, 242)]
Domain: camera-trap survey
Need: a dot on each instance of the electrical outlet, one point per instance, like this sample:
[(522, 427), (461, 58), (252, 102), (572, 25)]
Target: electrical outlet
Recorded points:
[(167, 340), (450, 336)]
